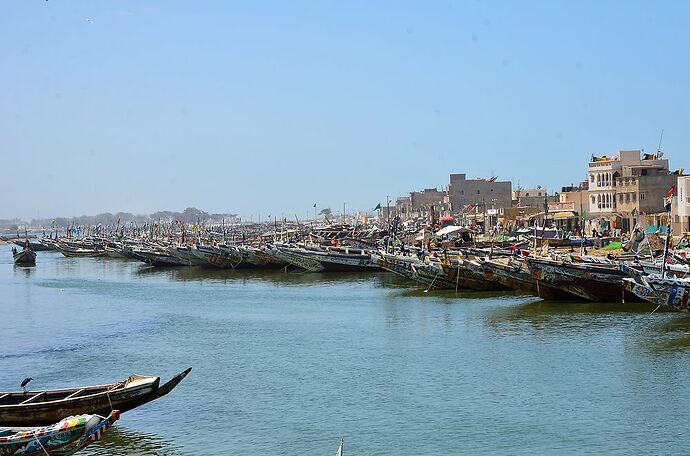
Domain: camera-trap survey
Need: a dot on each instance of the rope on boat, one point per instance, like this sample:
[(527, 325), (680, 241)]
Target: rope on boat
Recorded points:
[(457, 277), (432, 283), (657, 308), (41, 445)]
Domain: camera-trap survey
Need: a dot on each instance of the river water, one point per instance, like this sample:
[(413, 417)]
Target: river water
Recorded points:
[(288, 363)]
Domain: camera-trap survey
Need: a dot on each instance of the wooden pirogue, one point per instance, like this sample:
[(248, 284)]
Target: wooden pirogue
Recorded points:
[(65, 438), (35, 408)]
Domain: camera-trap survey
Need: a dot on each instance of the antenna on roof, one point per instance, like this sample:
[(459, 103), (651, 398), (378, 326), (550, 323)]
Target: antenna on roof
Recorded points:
[(658, 149)]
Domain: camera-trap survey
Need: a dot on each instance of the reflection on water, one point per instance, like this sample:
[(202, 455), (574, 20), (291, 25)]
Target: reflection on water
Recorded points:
[(278, 277), (120, 440), (667, 333), (24, 270), (564, 316)]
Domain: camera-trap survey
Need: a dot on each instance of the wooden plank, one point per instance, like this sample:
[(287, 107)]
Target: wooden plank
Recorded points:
[(35, 396), (76, 393)]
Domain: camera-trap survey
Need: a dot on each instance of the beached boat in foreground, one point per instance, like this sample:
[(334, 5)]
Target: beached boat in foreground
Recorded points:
[(34, 408), (66, 437)]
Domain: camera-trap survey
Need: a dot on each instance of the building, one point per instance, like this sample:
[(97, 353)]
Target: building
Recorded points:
[(484, 193), (530, 197), (571, 198), (420, 204), (624, 186), (403, 207), (680, 209)]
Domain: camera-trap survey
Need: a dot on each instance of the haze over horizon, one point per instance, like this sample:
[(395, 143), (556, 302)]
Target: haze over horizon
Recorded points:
[(269, 107)]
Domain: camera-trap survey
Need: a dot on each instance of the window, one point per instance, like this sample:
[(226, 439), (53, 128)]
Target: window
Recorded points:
[(620, 198), (594, 200), (478, 192), (526, 194), (643, 172), (642, 196), (591, 178), (634, 197), (462, 192), (627, 197)]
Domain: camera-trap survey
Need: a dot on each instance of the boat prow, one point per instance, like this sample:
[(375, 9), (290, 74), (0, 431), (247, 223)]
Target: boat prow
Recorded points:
[(173, 382)]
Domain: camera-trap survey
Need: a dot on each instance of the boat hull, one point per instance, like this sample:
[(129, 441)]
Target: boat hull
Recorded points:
[(101, 402), (25, 258)]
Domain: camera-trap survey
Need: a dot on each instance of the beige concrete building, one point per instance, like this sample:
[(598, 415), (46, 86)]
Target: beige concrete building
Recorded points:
[(487, 193), (529, 197), (624, 186), (420, 204)]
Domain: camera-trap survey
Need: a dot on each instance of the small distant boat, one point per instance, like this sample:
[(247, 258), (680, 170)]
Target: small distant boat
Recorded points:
[(35, 408), (26, 257), (63, 438)]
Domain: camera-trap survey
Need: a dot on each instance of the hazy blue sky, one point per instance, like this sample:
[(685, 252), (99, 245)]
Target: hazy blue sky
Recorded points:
[(268, 107)]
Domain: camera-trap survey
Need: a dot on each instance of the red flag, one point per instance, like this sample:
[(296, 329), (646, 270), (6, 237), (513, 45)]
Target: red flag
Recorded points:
[(671, 190)]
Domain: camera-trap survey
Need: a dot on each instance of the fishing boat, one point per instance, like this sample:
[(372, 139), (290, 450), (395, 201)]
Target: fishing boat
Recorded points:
[(221, 257), (63, 438), (161, 258), (35, 408), (595, 280), (256, 257), (514, 273), (77, 250), (288, 254), (398, 264), (318, 258), (26, 257), (670, 292), (184, 253), (468, 273)]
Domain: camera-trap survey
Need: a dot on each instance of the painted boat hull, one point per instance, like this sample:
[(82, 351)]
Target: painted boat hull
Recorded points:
[(122, 396), (63, 438), (517, 277), (471, 277)]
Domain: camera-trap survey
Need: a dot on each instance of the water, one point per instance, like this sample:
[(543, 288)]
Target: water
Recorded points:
[(286, 364)]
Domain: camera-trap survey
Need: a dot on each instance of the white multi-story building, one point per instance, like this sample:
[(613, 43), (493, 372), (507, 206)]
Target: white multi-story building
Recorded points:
[(680, 212)]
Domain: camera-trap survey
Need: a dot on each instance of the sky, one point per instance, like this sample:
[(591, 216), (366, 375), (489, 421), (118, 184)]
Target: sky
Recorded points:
[(266, 107)]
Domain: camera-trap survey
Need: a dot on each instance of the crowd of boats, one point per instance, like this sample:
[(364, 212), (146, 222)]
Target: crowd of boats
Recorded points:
[(452, 257), (449, 258)]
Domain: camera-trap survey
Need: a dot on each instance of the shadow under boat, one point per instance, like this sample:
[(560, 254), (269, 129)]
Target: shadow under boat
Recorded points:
[(277, 276), (122, 440)]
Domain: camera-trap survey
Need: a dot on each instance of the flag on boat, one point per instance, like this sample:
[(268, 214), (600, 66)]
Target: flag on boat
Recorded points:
[(314, 205), (378, 207), (340, 449), (678, 172), (671, 191)]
